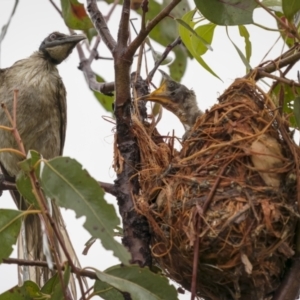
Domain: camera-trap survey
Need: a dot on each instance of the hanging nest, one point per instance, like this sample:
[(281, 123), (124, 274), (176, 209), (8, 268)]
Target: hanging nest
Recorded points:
[(230, 192)]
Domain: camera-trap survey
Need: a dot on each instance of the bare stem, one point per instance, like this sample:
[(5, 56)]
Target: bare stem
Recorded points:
[(100, 24)]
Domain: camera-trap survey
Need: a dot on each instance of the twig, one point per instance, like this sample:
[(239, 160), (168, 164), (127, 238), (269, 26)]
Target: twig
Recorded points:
[(43, 264), (6, 185), (273, 66), (108, 187), (283, 24), (100, 24), (56, 7), (144, 32), (163, 57), (198, 228), (290, 82), (123, 32)]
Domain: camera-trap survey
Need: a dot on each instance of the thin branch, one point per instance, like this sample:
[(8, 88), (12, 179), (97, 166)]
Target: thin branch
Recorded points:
[(290, 82), (56, 7), (145, 9), (116, 2), (163, 57), (123, 33), (144, 33), (101, 25), (275, 65), (6, 185), (292, 31), (108, 187), (105, 88), (43, 264)]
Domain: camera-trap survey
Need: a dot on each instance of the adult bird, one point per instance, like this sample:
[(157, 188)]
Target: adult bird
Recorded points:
[(41, 122), (178, 99)]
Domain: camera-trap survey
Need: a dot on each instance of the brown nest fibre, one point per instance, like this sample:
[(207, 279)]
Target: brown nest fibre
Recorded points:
[(231, 190)]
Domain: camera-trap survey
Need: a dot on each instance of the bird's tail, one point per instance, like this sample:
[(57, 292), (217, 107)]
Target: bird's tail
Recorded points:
[(32, 245)]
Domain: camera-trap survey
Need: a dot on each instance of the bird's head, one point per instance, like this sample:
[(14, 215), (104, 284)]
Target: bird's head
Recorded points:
[(56, 47), (176, 98)]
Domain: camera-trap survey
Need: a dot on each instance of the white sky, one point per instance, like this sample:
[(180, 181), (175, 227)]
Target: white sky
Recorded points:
[(89, 137)]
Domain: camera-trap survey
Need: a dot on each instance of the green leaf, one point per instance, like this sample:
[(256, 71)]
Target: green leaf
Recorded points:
[(140, 283), (106, 291), (275, 5), (164, 34), (50, 284), (289, 95), (58, 293), (23, 180), (178, 67), (156, 55), (297, 110), (24, 186), (230, 12), (207, 32), (75, 16), (28, 164), (28, 291), (105, 101), (10, 225), (64, 179), (248, 46), (240, 53), (286, 36), (186, 39), (290, 8)]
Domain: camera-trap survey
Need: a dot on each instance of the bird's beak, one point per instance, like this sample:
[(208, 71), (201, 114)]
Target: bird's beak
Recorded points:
[(160, 95), (67, 39)]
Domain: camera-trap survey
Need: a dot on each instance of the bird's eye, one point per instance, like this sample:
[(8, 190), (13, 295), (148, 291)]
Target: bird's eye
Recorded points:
[(52, 36), (171, 85)]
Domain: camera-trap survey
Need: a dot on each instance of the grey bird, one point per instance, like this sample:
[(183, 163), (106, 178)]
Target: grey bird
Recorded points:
[(41, 123), (178, 99)]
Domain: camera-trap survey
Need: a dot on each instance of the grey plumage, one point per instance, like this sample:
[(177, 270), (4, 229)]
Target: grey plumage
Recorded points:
[(41, 123), (178, 99)]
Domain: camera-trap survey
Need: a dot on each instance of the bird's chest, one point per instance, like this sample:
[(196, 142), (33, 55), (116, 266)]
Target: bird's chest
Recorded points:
[(40, 101)]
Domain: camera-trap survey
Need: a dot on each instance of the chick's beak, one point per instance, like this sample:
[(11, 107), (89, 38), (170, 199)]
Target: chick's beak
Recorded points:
[(159, 95)]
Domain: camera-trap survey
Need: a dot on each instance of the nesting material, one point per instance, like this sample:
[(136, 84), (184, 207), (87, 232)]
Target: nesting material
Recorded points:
[(231, 191)]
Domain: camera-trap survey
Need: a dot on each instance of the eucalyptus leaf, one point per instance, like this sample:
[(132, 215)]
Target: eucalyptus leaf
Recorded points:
[(186, 38), (297, 110), (240, 53), (290, 8), (230, 12), (140, 283), (10, 226), (75, 15), (72, 186), (28, 291)]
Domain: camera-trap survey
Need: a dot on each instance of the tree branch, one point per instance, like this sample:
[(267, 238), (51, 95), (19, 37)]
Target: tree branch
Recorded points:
[(101, 25), (283, 61), (108, 187), (123, 33), (144, 33), (43, 264), (162, 58)]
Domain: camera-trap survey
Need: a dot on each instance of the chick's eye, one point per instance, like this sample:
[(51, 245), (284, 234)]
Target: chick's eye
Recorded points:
[(171, 85)]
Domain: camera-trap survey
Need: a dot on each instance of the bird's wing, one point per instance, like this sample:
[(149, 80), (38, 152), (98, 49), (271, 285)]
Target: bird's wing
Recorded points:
[(62, 105)]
